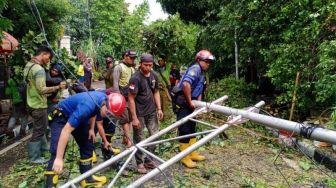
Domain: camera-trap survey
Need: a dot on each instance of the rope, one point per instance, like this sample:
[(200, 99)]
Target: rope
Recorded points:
[(307, 130)]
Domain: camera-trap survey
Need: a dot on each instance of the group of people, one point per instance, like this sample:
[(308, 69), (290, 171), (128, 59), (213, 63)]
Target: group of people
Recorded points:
[(131, 94)]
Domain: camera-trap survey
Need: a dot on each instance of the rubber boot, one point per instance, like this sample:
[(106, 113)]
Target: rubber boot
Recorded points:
[(91, 181), (94, 157), (51, 179), (186, 160), (107, 154), (115, 151), (44, 144), (34, 153), (194, 155)]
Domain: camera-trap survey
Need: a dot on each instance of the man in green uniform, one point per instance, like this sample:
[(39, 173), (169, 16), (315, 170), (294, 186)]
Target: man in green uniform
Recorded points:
[(37, 101)]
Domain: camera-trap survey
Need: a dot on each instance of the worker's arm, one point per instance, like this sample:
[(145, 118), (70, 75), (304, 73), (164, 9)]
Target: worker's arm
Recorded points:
[(116, 77), (158, 103), (102, 134), (62, 142), (92, 134), (132, 108), (187, 94), (40, 82)]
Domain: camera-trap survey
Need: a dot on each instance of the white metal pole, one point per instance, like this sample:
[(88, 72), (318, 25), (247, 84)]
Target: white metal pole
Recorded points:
[(318, 133), (185, 152)]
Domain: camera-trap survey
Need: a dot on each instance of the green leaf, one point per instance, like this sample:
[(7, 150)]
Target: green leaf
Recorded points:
[(23, 184)]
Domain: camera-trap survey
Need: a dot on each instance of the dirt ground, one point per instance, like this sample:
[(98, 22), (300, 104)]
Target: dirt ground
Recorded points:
[(11, 157), (243, 161)]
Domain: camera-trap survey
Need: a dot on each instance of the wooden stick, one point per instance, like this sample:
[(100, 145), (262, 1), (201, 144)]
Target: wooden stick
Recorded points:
[(297, 80)]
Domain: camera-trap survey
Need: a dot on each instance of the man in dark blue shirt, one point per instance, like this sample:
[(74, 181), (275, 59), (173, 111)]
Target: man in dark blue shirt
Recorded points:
[(192, 84), (71, 116)]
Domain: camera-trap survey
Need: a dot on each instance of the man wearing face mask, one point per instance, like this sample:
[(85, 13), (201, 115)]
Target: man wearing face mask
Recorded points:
[(192, 85), (121, 76), (145, 107), (37, 92)]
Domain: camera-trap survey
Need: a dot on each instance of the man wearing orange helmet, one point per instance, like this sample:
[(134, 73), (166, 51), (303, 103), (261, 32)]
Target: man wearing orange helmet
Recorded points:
[(71, 116), (191, 86)]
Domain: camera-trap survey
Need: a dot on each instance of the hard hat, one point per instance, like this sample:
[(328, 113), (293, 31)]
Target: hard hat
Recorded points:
[(116, 103), (205, 55)]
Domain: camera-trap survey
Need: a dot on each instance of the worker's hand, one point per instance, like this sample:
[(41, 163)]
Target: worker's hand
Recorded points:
[(160, 114), (54, 100), (191, 105), (58, 166), (92, 135), (62, 85), (136, 123), (107, 145)]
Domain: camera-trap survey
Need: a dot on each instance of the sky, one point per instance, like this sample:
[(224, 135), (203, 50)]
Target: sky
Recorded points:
[(155, 10)]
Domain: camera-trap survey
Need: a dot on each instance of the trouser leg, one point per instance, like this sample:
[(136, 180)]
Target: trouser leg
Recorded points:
[(187, 128), (138, 136), (152, 125)]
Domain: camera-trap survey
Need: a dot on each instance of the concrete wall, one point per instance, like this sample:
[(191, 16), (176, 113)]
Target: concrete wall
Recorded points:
[(65, 43)]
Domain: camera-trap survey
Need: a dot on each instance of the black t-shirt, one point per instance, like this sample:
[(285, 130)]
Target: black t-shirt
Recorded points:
[(173, 76), (144, 88)]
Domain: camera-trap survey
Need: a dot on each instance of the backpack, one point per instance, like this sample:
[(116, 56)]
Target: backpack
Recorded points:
[(178, 99), (22, 86), (124, 90)]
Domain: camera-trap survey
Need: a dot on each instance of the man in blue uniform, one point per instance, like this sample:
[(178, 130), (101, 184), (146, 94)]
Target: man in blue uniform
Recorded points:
[(71, 116), (192, 86)]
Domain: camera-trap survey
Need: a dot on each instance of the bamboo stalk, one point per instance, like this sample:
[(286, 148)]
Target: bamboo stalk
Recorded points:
[(294, 99)]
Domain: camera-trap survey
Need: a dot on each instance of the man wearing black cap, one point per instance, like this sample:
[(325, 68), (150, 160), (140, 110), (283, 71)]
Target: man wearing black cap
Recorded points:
[(121, 76), (145, 107)]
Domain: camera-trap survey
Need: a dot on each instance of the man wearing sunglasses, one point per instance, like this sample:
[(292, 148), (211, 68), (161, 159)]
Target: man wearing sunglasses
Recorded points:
[(192, 85)]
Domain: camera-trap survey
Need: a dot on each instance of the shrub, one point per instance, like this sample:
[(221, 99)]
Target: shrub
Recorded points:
[(240, 93)]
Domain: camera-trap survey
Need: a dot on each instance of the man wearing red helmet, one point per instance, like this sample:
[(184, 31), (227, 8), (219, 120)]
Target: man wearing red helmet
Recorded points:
[(192, 86), (71, 116)]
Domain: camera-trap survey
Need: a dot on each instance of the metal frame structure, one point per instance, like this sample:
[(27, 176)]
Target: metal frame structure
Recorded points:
[(240, 116)]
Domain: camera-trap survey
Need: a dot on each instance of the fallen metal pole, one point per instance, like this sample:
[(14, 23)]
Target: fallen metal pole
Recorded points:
[(178, 138), (185, 152), (151, 154), (122, 168), (130, 150), (318, 133), (204, 123), (99, 167)]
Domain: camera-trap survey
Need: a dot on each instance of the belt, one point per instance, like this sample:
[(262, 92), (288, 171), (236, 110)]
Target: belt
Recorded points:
[(56, 112)]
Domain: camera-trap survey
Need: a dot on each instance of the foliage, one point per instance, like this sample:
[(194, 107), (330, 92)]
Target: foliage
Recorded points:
[(69, 66), (325, 73), (173, 38), (240, 93), (106, 27), (197, 11), (276, 39), (51, 11), (5, 24), (29, 43)]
